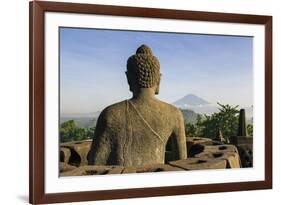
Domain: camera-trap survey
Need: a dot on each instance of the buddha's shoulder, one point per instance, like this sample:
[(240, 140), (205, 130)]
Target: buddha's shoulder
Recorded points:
[(114, 110), (118, 110), (169, 108)]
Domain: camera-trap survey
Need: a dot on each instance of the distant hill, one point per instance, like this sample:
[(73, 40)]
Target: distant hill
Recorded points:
[(199, 105), (84, 120), (189, 116), (196, 104), (190, 100), (81, 115), (190, 105), (87, 122)]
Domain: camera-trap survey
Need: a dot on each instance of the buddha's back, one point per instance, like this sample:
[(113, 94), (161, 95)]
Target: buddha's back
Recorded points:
[(138, 131), (135, 132)]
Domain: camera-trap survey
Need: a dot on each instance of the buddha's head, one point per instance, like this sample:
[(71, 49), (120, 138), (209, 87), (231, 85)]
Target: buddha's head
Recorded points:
[(143, 70)]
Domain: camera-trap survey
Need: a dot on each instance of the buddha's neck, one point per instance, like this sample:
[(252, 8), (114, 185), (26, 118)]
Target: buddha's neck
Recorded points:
[(144, 93)]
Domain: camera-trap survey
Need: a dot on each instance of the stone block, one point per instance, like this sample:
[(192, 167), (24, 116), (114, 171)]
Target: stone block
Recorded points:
[(229, 153), (246, 154), (94, 170), (66, 167), (196, 145), (152, 168), (78, 152), (65, 154), (199, 163)]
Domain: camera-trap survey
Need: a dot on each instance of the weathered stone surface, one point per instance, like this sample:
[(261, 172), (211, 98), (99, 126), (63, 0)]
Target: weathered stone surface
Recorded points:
[(93, 170), (151, 168), (232, 159), (66, 167), (64, 155), (196, 145), (220, 148), (243, 142), (222, 152), (246, 154), (212, 155), (190, 141), (179, 165), (199, 163), (76, 153), (135, 132), (244, 145)]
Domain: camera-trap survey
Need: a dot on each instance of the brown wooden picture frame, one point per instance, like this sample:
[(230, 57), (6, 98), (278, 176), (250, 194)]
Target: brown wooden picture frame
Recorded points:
[(37, 96)]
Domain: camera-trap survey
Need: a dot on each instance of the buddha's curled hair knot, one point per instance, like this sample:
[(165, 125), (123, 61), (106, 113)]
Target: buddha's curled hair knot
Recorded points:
[(144, 49), (144, 68)]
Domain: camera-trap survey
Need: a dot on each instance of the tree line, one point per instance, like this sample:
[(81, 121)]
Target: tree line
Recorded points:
[(69, 131), (225, 121)]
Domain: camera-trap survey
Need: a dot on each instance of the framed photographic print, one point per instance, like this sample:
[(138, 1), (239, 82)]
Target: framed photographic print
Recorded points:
[(139, 102)]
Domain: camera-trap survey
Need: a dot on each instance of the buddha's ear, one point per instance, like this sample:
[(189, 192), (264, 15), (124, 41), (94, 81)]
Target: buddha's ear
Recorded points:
[(129, 80), (158, 86), (157, 90)]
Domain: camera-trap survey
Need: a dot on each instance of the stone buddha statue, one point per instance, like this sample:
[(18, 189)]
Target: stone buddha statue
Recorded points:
[(135, 132)]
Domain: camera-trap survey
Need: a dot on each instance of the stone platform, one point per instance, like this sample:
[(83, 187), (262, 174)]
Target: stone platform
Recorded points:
[(203, 154)]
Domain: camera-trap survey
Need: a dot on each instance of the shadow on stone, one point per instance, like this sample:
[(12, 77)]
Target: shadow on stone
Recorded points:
[(195, 149), (216, 155), (74, 159)]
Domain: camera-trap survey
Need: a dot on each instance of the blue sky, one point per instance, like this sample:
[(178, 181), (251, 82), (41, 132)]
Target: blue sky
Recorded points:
[(93, 64)]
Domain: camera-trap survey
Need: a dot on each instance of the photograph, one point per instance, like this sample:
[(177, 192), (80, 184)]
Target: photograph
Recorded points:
[(147, 101), (129, 102)]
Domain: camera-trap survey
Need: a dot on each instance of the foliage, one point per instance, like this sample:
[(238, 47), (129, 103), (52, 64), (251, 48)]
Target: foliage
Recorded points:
[(69, 131), (250, 129), (190, 130), (207, 126), (226, 120)]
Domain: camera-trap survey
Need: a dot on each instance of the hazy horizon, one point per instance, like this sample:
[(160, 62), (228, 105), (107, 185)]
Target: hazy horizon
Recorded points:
[(93, 64)]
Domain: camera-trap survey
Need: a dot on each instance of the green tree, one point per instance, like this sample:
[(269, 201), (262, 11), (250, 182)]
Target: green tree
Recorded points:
[(67, 131), (226, 120), (80, 134), (190, 130), (199, 125), (91, 132), (250, 129)]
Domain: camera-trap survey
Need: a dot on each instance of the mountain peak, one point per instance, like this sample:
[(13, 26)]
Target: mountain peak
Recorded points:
[(190, 100)]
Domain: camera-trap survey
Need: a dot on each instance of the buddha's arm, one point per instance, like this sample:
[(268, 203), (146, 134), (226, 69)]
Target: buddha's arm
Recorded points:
[(180, 137), (101, 145)]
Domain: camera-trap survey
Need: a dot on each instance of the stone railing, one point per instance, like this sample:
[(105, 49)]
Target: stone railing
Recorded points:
[(203, 154)]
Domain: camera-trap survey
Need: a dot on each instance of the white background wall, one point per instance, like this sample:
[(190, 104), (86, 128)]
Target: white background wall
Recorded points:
[(14, 100)]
